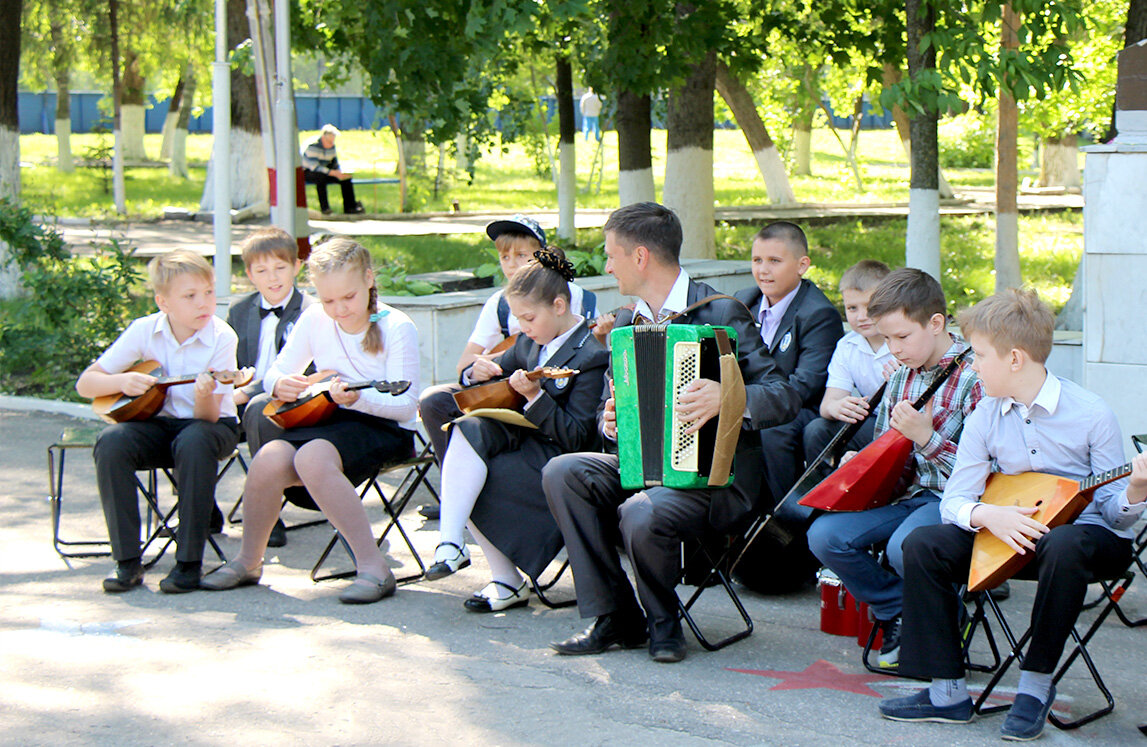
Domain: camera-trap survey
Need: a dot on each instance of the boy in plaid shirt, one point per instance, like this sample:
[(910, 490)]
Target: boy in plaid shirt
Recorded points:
[(910, 312)]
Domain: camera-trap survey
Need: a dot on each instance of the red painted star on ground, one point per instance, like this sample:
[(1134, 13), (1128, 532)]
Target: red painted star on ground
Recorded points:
[(820, 675)]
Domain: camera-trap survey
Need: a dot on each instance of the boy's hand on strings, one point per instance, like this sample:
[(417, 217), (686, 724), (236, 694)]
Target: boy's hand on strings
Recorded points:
[(484, 370), (524, 386), (699, 402), (288, 388), (848, 409), (340, 395), (1137, 485), (134, 383), (912, 423), (1012, 524)]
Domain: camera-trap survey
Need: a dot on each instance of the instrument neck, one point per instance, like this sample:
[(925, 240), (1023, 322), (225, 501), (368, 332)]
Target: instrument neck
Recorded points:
[(1103, 478), (939, 382)]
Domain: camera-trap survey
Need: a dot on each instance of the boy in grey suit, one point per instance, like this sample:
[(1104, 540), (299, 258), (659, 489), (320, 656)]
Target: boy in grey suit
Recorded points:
[(262, 321)]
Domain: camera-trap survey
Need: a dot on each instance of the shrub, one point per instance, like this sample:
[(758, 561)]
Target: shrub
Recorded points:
[(968, 141), (69, 310)]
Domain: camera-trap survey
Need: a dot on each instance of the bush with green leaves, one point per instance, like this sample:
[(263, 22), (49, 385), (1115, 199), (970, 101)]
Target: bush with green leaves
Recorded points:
[(968, 141), (69, 308)]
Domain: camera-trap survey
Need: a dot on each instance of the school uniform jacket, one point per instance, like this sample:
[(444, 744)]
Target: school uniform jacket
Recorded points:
[(244, 318), (805, 339), (511, 510)]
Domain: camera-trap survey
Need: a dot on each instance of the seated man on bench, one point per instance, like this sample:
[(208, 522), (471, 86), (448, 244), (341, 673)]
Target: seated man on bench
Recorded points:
[(321, 167)]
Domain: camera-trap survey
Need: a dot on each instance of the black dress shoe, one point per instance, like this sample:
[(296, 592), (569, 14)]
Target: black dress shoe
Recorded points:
[(430, 511), (216, 524), (278, 536), (184, 577), (627, 631), (127, 575), (667, 651)]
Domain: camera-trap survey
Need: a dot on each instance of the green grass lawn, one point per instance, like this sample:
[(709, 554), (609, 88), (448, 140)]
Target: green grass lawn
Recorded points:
[(504, 179)]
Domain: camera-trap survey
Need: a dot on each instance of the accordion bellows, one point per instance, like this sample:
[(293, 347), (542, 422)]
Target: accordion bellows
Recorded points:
[(652, 365)]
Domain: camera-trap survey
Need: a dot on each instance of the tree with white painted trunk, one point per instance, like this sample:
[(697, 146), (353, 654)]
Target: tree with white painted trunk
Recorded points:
[(744, 109), (119, 192), (922, 241), (53, 30), (172, 117), (249, 184), (10, 13), (567, 155), (178, 165), (804, 113), (1007, 179), (689, 159), (634, 121)]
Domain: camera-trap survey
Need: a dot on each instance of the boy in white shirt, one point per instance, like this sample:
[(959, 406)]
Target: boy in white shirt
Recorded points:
[(859, 365), (196, 427)]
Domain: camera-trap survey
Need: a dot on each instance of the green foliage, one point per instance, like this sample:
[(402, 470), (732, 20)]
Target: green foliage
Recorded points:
[(70, 310), (968, 141), (392, 280)]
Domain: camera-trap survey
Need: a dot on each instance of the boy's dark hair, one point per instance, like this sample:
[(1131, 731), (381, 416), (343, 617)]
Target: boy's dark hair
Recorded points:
[(864, 275), (270, 241), (648, 224), (914, 292), (1012, 318), (789, 233)]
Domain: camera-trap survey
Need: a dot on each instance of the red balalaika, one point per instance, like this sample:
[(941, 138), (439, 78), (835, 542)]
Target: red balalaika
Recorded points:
[(867, 480)]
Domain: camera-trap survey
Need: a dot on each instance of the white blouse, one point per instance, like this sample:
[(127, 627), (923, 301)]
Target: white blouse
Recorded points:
[(316, 337)]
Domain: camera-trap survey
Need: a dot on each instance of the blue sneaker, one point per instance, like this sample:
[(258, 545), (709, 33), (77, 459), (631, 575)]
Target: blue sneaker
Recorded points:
[(919, 707), (1026, 718)]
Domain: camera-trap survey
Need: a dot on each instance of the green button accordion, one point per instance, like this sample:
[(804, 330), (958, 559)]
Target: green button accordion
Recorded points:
[(652, 365)]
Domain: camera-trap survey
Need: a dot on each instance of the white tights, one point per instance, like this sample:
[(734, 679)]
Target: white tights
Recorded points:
[(463, 476)]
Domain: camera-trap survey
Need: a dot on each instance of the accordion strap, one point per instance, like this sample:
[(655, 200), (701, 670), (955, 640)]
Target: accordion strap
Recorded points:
[(732, 410), (707, 299)]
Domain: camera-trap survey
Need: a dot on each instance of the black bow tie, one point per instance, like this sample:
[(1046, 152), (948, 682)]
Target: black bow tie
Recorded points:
[(277, 311)]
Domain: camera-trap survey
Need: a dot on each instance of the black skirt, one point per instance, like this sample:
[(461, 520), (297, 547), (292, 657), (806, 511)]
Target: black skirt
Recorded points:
[(511, 510), (364, 442)]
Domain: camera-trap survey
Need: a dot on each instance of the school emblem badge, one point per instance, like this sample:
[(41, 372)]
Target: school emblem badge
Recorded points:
[(786, 341), (562, 383)]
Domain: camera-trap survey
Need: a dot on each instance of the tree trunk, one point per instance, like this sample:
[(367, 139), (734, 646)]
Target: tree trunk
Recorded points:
[(414, 146), (802, 121), (891, 77), (1060, 164), (744, 109), (178, 165), (248, 165), (10, 13), (132, 110), (689, 160), (1008, 273), (634, 152), (922, 244), (119, 195), (462, 152), (1134, 31), (171, 119), (567, 175), (61, 73)]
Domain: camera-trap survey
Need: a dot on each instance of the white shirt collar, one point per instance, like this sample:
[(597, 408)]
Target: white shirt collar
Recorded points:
[(282, 304), (555, 344), (1047, 398), (675, 302), (777, 310), (205, 336)]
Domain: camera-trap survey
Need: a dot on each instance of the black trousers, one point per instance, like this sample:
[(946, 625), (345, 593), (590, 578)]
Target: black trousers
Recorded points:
[(595, 515), (436, 407), (936, 561), (321, 180), (783, 454), (192, 447)]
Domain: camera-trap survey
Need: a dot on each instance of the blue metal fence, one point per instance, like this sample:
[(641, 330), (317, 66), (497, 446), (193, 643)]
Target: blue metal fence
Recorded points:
[(38, 113)]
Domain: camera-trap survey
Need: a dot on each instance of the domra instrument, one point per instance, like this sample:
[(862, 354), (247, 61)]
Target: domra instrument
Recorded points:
[(121, 408), (314, 404)]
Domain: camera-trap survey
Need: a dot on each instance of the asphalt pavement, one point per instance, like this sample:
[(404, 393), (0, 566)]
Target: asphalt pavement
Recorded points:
[(284, 662)]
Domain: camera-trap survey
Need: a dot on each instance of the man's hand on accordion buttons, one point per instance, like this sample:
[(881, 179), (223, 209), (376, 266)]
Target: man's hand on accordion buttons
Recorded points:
[(700, 402)]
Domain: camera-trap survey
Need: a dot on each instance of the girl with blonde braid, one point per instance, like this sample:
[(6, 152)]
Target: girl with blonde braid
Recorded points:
[(349, 332)]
